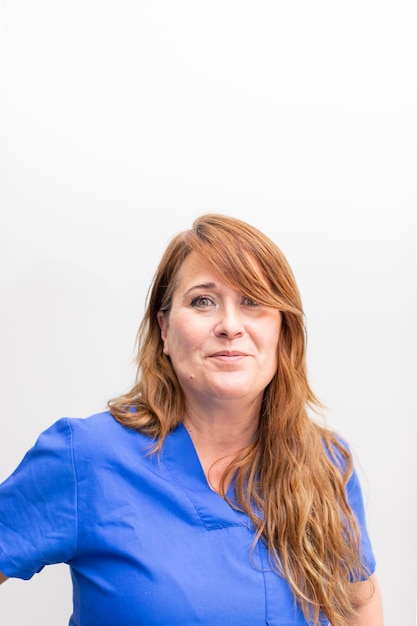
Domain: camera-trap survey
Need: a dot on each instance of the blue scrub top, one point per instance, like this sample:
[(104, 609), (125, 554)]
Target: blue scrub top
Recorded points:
[(148, 542)]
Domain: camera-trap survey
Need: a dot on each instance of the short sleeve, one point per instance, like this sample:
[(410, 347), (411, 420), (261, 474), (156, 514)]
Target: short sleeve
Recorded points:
[(355, 499), (38, 524)]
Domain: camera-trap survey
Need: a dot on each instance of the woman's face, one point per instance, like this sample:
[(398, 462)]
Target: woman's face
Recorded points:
[(222, 345)]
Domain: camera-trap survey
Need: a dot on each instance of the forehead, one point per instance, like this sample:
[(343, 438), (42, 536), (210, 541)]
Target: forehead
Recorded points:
[(195, 267), (247, 277)]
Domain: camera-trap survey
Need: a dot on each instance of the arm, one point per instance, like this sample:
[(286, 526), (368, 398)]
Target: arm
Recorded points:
[(367, 598), (2, 578)]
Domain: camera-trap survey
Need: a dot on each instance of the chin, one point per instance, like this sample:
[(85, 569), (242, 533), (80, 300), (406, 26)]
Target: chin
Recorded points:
[(235, 393)]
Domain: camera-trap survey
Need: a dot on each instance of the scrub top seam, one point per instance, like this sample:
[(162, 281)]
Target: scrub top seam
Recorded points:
[(76, 490)]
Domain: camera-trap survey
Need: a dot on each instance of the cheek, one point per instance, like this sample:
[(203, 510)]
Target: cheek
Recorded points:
[(182, 337), (271, 342)]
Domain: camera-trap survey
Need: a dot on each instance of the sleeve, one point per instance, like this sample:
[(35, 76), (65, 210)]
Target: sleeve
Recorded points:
[(355, 499), (38, 506)]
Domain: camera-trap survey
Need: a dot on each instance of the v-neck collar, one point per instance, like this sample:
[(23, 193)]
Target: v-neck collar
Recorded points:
[(181, 460)]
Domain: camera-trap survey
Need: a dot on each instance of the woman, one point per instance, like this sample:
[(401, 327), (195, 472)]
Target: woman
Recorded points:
[(205, 495)]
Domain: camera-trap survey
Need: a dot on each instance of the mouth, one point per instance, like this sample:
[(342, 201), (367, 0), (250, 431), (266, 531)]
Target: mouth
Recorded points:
[(228, 355)]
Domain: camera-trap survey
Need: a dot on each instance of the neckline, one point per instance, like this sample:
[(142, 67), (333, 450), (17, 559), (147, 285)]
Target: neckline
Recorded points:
[(182, 462)]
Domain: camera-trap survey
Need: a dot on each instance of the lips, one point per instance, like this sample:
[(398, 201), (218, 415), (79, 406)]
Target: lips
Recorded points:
[(228, 354)]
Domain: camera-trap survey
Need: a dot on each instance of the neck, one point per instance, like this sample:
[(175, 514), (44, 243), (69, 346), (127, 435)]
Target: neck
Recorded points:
[(225, 428), (218, 436)]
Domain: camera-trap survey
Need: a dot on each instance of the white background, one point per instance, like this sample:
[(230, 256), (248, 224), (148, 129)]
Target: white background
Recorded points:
[(120, 123)]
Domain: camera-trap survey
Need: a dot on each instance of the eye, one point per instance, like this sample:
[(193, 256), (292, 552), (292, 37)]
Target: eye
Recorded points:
[(249, 302), (202, 302)]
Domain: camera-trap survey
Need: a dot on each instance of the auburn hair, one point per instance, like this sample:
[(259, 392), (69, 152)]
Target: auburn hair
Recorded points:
[(291, 481)]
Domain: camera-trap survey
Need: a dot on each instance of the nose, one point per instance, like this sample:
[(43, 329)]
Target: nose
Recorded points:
[(229, 323)]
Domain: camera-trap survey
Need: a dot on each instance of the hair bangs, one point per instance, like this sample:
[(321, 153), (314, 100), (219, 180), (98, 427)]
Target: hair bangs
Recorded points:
[(247, 260)]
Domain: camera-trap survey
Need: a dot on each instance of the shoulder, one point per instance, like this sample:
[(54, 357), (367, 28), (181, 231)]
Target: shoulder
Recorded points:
[(342, 458), (336, 450), (101, 426), (93, 435)]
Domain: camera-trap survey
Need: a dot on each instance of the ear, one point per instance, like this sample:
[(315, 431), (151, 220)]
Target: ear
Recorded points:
[(163, 325)]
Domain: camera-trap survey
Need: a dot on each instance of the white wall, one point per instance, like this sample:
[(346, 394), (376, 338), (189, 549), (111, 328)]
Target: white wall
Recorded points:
[(121, 122)]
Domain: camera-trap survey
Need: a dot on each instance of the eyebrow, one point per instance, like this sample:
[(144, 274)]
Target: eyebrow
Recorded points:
[(202, 286)]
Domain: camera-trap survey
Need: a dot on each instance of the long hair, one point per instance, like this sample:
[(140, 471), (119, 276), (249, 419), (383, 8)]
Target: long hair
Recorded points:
[(291, 481)]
